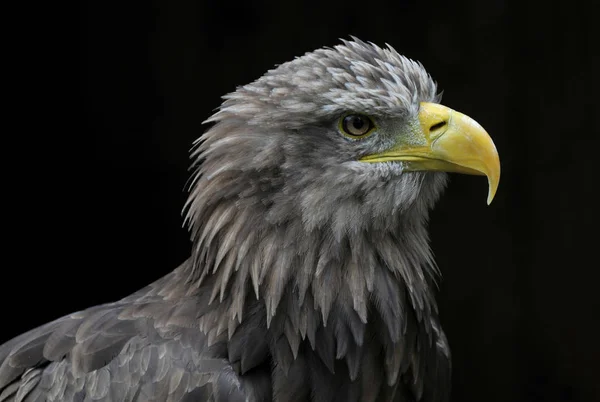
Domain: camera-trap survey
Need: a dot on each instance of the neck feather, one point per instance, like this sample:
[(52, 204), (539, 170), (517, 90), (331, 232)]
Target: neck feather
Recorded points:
[(320, 287), (322, 269)]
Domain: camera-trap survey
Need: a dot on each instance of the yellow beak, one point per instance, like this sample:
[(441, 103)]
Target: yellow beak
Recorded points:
[(449, 141)]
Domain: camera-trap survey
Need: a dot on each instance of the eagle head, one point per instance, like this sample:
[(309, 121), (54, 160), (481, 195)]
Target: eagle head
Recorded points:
[(311, 195)]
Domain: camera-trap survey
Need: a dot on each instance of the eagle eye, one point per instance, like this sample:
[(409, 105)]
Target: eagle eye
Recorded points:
[(356, 125)]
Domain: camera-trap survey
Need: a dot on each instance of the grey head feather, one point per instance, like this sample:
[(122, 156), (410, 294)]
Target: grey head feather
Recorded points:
[(311, 276), (277, 187), (280, 207)]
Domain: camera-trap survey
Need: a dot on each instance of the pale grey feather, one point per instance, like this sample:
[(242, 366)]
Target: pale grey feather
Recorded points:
[(310, 276)]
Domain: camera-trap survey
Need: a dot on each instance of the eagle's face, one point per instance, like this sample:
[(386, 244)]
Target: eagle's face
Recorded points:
[(346, 137)]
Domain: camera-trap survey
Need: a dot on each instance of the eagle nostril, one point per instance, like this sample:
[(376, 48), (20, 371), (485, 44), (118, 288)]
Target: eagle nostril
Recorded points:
[(437, 126)]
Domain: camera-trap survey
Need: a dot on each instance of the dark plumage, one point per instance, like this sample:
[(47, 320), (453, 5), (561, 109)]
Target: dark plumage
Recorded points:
[(310, 277)]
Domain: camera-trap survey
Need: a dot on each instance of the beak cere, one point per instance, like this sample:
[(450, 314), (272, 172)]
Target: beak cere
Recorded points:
[(449, 141)]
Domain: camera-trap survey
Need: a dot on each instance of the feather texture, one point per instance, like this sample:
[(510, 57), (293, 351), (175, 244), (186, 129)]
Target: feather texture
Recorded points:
[(310, 277)]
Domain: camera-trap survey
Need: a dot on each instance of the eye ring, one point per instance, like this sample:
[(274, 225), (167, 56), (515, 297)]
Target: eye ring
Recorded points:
[(355, 125)]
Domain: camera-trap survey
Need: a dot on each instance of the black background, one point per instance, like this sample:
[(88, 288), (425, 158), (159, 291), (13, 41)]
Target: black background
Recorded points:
[(519, 298)]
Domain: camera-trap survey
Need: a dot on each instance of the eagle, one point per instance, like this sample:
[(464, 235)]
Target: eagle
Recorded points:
[(310, 277)]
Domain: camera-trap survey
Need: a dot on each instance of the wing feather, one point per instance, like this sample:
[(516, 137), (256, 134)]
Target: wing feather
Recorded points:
[(144, 347)]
